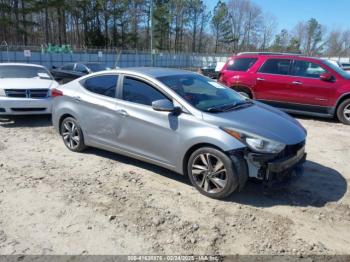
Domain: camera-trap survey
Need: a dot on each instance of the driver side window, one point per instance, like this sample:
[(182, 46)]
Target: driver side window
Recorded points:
[(140, 92), (307, 69)]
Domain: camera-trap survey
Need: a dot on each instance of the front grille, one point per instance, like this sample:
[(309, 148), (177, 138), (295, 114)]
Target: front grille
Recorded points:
[(27, 93), (291, 150)]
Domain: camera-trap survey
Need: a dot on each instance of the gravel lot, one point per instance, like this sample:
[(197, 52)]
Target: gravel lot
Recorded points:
[(53, 201)]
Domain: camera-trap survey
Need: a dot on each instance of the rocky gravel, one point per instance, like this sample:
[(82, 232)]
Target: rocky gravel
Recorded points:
[(53, 201)]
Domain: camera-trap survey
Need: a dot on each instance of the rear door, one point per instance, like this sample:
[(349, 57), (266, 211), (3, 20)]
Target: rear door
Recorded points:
[(306, 87), (98, 107), (272, 80)]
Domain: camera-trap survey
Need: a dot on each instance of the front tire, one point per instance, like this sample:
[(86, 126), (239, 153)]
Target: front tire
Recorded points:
[(72, 135), (244, 93), (343, 112), (212, 172)]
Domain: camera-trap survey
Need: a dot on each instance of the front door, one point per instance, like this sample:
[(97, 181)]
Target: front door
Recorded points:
[(306, 87), (146, 132)]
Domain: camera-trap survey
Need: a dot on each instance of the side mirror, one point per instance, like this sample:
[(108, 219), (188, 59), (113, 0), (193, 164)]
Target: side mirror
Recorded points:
[(165, 105), (326, 77)]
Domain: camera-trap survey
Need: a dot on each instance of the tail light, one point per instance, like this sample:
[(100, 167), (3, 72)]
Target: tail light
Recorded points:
[(55, 92), (221, 80)]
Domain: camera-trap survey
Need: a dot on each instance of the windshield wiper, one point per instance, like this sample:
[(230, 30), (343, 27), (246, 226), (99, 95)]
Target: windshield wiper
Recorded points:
[(220, 108), (229, 107), (239, 105)]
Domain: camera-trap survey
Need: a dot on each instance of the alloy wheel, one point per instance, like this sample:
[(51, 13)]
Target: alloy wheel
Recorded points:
[(209, 173), (346, 112), (70, 134)]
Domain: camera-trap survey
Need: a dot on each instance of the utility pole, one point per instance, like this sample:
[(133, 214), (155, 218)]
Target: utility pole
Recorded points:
[(151, 31)]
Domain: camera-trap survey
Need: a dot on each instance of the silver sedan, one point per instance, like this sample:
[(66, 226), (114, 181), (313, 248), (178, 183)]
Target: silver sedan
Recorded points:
[(181, 121)]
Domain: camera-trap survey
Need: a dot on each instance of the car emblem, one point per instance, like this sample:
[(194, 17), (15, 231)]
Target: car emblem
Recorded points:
[(27, 93)]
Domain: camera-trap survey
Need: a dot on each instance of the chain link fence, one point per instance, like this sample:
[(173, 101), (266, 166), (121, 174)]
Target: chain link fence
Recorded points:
[(110, 57)]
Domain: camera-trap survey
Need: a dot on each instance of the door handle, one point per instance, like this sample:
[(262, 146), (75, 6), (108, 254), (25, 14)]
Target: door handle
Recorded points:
[(122, 112), (297, 83), (77, 98), (260, 79)]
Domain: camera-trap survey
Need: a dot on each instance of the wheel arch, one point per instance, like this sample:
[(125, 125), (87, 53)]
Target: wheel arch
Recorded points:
[(191, 150), (62, 117), (239, 163), (340, 100), (244, 88)]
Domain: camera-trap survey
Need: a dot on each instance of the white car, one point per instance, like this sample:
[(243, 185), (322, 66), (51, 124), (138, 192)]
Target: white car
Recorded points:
[(25, 89)]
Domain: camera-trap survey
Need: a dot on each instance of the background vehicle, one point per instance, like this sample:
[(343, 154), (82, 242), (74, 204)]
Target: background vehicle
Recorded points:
[(212, 70), (294, 83), (72, 71), (25, 89), (181, 121), (345, 66)]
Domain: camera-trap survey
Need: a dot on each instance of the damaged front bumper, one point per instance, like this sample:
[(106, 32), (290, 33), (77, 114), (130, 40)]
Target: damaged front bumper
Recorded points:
[(270, 167)]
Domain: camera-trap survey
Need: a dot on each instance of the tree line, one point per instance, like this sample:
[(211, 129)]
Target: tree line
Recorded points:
[(177, 25)]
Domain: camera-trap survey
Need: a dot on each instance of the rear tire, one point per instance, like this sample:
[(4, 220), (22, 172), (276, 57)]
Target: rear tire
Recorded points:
[(212, 172), (343, 112), (243, 91), (72, 135)]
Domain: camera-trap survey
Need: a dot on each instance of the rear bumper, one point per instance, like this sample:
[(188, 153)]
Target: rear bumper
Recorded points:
[(25, 106)]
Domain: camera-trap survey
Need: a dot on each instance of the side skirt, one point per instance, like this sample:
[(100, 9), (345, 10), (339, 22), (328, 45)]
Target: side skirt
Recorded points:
[(312, 110)]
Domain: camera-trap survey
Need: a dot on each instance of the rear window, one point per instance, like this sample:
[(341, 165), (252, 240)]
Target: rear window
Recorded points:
[(68, 67), (276, 66), (241, 64), (103, 85)]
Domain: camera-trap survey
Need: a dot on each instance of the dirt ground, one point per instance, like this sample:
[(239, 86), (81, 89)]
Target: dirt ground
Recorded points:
[(53, 201)]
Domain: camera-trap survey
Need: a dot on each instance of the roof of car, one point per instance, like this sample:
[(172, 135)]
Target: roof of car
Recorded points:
[(20, 64), (276, 55), (155, 71)]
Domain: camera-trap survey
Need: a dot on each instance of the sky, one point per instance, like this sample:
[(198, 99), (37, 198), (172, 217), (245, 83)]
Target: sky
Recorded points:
[(331, 13)]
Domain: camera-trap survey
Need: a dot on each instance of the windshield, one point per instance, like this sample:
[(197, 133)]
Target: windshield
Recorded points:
[(203, 93), (16, 71), (337, 69), (96, 67)]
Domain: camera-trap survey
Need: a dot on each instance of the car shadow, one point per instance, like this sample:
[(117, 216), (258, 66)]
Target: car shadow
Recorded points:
[(315, 186), (26, 121), (138, 163)]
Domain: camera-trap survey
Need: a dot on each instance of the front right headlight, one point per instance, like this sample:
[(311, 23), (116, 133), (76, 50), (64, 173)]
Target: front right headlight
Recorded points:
[(264, 146), (256, 143), (2, 92)]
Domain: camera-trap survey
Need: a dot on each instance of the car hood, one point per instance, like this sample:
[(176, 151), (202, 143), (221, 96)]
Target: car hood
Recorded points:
[(27, 83), (261, 120)]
